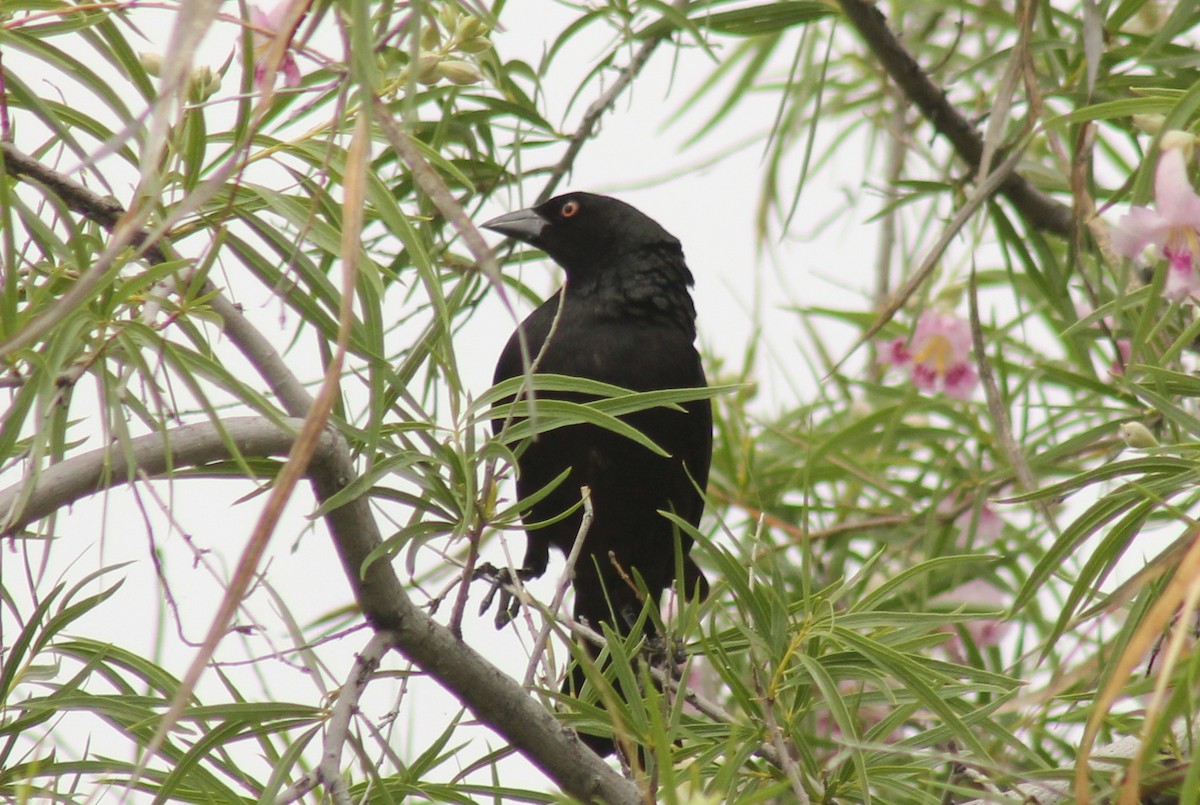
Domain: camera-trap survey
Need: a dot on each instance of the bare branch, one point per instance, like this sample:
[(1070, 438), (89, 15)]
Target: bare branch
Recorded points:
[(790, 767), (104, 210), (495, 698), (329, 770), (560, 592), (107, 212), (62, 484)]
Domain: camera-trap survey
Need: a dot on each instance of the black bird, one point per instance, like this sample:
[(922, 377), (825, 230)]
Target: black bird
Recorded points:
[(627, 319)]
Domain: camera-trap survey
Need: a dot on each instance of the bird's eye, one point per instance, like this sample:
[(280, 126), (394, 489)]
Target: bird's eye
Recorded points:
[(569, 209)]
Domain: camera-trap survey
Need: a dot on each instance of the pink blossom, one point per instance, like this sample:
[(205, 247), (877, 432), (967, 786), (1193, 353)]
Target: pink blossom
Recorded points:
[(937, 356), (894, 352), (266, 27), (1172, 227)]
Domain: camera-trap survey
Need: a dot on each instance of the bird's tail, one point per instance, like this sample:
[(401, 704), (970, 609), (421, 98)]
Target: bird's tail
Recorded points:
[(621, 612), (602, 745), (619, 606)]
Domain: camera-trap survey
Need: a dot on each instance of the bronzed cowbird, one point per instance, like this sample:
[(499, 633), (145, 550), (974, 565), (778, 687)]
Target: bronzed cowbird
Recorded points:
[(626, 319)]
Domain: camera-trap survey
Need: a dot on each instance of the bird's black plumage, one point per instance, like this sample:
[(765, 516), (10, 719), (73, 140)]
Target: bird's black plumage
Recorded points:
[(627, 319)]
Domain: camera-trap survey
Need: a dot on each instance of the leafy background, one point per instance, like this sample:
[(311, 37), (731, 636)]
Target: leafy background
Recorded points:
[(919, 599)]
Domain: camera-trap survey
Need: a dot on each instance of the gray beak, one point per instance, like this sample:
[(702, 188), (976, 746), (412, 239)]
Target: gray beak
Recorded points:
[(525, 225)]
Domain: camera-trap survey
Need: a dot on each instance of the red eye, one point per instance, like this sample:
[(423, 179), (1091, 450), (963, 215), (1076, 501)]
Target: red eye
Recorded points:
[(569, 209)]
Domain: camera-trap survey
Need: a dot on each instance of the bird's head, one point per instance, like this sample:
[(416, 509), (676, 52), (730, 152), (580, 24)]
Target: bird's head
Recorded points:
[(584, 232)]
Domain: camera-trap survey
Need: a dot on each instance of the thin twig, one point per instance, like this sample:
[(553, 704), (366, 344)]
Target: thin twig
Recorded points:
[(564, 582), (107, 213), (1113, 758), (432, 185), (897, 134), (790, 769), (337, 731), (1038, 209), (468, 574), (601, 105), (996, 406), (706, 707)]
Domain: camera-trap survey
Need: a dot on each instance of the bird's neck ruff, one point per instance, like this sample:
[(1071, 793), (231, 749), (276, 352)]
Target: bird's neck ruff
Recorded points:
[(651, 285)]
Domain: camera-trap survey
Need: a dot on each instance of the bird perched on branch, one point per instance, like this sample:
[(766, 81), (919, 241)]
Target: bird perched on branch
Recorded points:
[(624, 317)]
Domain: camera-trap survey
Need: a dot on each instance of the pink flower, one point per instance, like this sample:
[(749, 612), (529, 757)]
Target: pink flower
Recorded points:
[(1172, 227), (937, 356), (266, 29), (894, 352)]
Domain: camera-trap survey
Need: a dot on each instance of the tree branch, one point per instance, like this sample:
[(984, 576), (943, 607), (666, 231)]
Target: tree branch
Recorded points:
[(104, 210), (1038, 209), (81, 476), (337, 731), (495, 698)]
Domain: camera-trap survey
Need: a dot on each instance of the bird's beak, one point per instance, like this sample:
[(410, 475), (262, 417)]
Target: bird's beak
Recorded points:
[(524, 225)]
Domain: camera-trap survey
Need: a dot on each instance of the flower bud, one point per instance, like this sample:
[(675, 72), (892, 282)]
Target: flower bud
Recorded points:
[(1151, 124), (431, 37), (1137, 435), (202, 84), (468, 28), (460, 72), (476, 44), (1178, 139), (152, 63), (427, 68)]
